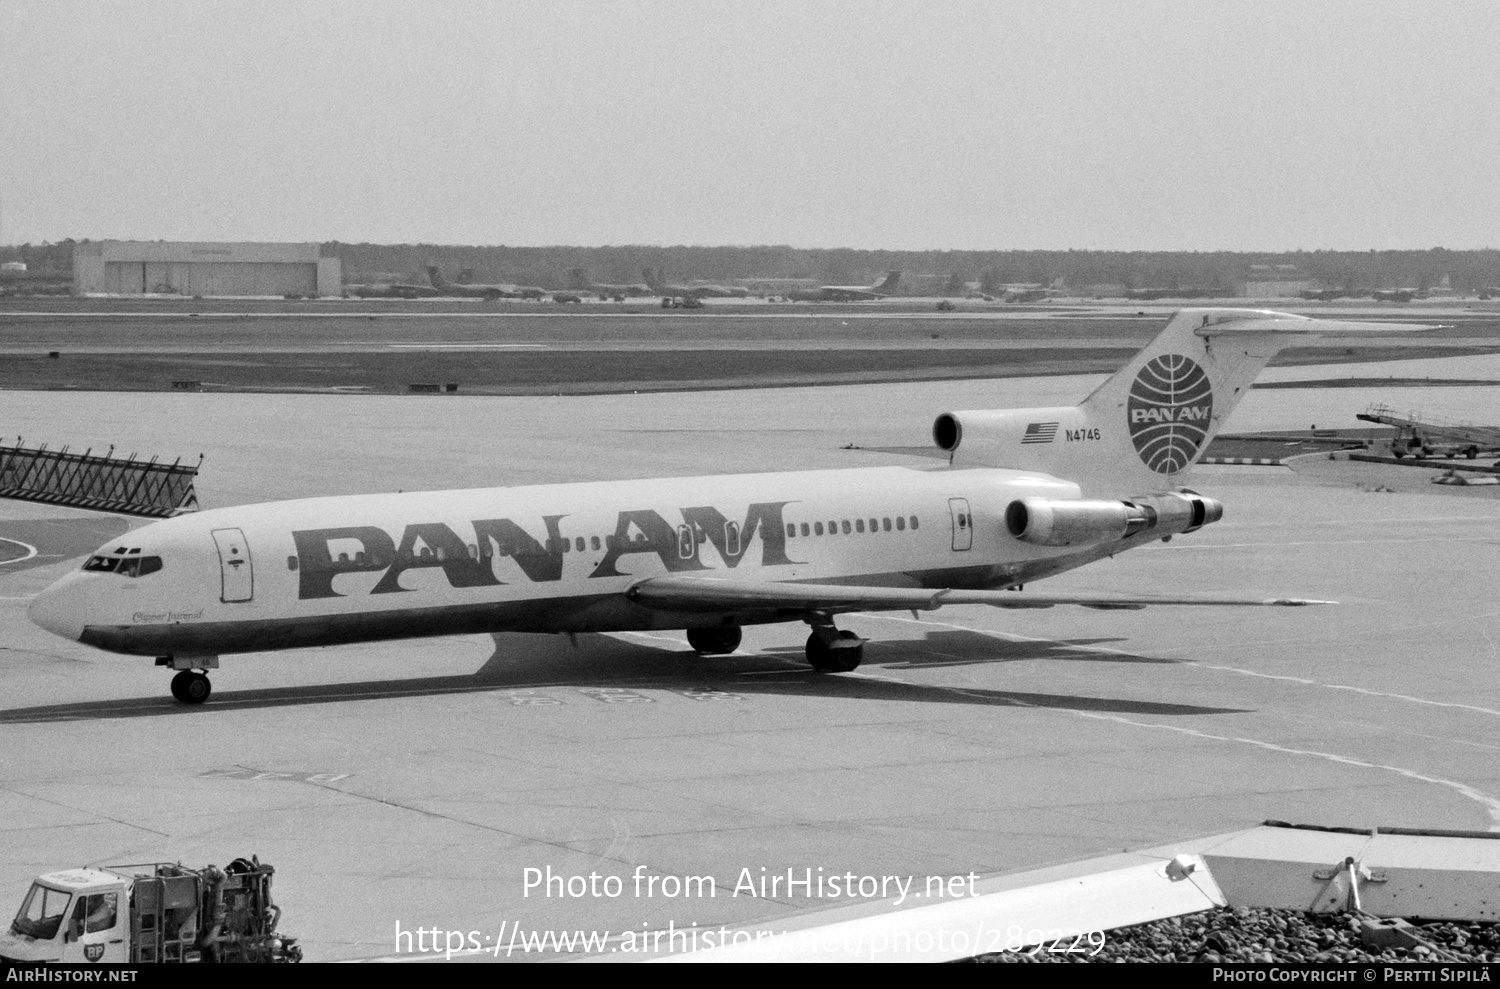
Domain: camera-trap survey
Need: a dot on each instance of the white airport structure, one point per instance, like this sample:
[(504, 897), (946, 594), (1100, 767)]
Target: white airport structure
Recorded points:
[(129, 267)]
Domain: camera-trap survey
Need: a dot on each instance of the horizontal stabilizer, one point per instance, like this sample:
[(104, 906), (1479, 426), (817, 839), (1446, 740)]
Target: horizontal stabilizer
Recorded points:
[(717, 594)]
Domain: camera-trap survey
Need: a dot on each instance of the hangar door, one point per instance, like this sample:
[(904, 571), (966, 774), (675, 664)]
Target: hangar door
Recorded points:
[(243, 278), (124, 277), (210, 278)]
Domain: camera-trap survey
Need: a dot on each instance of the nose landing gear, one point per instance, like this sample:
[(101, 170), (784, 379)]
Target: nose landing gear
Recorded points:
[(190, 685)]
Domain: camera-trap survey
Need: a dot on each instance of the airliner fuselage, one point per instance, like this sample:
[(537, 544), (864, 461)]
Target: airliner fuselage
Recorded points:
[(554, 558)]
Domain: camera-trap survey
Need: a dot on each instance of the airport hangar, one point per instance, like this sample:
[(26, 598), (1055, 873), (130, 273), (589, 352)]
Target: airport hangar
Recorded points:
[(130, 267)]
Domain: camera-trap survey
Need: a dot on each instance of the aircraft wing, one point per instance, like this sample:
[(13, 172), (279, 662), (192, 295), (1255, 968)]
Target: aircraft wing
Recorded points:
[(674, 593)]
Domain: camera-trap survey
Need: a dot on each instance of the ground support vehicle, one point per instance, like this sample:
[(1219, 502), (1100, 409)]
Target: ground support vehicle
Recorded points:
[(153, 912)]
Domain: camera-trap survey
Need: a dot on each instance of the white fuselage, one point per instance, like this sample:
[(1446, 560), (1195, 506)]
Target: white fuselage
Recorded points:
[(546, 558)]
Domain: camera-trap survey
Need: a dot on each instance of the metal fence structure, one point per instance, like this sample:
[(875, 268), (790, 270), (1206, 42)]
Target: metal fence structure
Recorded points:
[(104, 483)]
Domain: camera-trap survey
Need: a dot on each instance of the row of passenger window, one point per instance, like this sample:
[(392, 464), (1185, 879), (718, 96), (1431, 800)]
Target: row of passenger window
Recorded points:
[(843, 525), (686, 541), (475, 552)]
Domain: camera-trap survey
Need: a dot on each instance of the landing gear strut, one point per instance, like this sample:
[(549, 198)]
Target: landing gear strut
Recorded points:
[(191, 687), (715, 641), (830, 650)]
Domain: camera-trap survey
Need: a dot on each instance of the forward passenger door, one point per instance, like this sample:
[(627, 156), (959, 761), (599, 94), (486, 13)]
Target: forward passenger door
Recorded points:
[(235, 572)]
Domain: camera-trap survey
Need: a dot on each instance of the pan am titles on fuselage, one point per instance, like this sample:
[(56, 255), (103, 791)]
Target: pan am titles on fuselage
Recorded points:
[(1028, 494)]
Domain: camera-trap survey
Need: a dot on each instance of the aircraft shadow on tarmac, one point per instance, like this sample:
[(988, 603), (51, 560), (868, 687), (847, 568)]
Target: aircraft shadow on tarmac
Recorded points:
[(961, 647), (534, 662)]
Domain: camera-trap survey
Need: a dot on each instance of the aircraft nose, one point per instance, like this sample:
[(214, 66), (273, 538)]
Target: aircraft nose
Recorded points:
[(58, 609)]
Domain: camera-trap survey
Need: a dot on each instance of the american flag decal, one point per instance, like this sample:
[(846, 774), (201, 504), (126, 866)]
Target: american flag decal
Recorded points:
[(1040, 432)]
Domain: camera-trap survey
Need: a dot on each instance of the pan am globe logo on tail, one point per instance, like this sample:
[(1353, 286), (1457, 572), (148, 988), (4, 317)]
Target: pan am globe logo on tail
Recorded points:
[(1170, 408)]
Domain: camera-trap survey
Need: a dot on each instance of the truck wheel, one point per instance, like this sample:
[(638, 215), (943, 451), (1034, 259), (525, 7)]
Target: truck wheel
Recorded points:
[(191, 687)]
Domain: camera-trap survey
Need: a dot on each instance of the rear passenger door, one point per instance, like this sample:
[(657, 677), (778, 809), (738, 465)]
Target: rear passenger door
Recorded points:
[(963, 524)]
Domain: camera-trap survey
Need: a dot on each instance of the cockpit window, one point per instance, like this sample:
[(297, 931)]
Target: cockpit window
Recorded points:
[(42, 913), (131, 566)]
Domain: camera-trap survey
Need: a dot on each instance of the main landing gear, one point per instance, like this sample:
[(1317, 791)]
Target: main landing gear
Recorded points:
[(830, 650), (715, 641), (190, 685)]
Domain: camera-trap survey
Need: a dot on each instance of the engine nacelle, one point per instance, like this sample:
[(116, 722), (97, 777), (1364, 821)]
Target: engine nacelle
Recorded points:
[(1054, 522)]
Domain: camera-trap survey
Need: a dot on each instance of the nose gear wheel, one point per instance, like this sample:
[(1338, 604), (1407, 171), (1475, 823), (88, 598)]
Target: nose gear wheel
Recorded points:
[(191, 687)]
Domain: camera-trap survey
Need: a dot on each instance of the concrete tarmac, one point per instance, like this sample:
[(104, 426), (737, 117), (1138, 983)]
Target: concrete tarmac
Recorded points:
[(410, 785)]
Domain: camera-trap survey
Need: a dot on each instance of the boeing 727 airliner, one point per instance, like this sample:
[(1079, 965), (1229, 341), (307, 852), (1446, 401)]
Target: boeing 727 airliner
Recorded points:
[(1027, 494)]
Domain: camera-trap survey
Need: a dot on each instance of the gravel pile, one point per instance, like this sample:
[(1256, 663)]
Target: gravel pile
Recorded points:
[(1240, 934)]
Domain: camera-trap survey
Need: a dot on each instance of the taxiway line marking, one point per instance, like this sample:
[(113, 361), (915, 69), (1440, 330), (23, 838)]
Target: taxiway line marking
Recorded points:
[(19, 559), (1326, 542), (1491, 804), (1366, 522), (1344, 686), (1210, 666), (83, 810)]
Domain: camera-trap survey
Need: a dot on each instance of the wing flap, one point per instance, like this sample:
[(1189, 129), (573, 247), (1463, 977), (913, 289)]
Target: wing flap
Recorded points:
[(718, 594)]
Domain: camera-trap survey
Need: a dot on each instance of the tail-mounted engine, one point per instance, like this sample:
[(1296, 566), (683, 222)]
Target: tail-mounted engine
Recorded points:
[(1054, 522)]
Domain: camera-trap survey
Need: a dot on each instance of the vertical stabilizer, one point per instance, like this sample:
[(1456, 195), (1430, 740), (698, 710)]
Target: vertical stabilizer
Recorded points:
[(887, 285), (435, 276), (1151, 420)]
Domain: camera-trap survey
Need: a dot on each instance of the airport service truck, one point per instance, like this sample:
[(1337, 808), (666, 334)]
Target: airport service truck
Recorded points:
[(155, 912)]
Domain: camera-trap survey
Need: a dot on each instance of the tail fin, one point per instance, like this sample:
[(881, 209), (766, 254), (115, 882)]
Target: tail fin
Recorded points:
[(1152, 419), (653, 280), (436, 277), (887, 285)]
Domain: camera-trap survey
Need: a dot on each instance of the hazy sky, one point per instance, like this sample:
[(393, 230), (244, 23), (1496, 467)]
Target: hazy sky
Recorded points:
[(1201, 125)]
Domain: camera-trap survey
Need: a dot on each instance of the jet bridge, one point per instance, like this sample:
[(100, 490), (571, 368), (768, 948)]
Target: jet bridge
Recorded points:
[(102, 482)]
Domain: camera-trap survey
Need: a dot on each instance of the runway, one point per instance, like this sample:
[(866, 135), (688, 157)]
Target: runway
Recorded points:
[(412, 784)]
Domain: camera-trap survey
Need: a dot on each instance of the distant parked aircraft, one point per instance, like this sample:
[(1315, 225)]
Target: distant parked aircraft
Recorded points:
[(850, 293), (1028, 293), (390, 290), (445, 287), (578, 281), (655, 280)]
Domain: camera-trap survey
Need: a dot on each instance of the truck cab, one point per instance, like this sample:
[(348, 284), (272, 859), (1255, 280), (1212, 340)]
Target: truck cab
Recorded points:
[(74, 916)]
